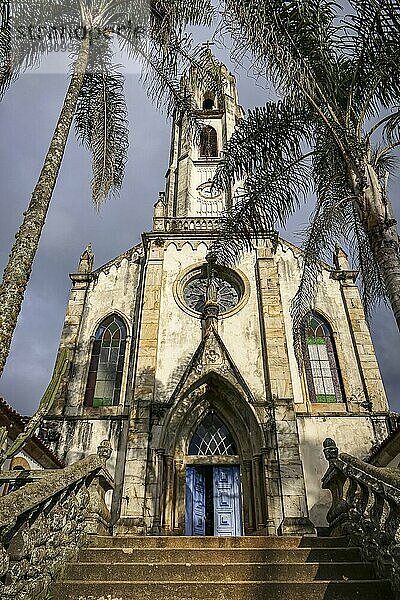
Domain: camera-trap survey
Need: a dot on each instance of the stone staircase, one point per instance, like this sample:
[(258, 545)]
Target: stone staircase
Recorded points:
[(220, 568)]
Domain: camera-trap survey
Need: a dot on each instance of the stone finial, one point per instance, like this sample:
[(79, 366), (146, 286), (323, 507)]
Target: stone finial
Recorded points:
[(159, 213), (86, 260), (340, 259), (331, 451), (159, 207), (104, 451)]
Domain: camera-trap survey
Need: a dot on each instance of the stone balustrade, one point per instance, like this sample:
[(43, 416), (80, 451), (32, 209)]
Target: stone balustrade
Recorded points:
[(182, 224), (45, 522), (365, 507)]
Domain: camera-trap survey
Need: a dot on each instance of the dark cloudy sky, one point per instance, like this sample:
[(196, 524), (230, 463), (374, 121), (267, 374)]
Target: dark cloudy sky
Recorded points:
[(28, 114)]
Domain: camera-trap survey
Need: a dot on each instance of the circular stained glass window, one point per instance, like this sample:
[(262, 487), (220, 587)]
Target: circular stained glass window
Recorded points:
[(194, 294), (230, 289)]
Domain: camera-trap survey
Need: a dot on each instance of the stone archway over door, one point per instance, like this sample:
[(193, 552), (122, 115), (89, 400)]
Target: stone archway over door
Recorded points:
[(213, 395)]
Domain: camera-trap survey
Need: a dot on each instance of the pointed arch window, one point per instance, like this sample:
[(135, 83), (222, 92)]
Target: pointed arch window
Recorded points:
[(212, 438), (107, 362), (321, 364), (208, 142)]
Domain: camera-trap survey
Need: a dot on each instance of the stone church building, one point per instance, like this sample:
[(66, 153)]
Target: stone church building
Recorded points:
[(189, 370)]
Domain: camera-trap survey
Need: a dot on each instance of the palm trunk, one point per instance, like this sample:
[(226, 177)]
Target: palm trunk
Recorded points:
[(18, 269), (378, 220)]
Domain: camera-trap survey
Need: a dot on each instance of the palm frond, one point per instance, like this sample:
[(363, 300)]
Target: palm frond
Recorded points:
[(291, 41), (268, 137), (330, 223), (391, 130), (267, 197), (101, 125), (30, 30), (267, 152), (373, 33)]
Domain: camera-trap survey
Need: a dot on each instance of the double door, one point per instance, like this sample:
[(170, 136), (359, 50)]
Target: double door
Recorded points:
[(213, 502)]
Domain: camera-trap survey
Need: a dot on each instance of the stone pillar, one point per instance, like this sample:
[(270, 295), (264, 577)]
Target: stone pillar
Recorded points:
[(156, 528), (259, 493), (73, 317), (375, 397), (293, 492), (271, 489), (179, 497), (136, 517), (167, 518), (249, 520)]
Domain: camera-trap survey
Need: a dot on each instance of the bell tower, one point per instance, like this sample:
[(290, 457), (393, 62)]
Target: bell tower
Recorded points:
[(193, 161)]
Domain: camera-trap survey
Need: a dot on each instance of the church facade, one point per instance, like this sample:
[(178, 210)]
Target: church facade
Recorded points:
[(189, 369)]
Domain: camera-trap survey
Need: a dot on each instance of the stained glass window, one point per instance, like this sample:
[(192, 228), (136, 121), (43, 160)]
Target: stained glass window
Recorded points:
[(106, 364), (212, 438), (208, 142), (322, 372), (194, 293)]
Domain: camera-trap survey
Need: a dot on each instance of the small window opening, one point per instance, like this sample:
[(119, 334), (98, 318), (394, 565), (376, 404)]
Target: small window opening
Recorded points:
[(208, 104), (208, 142)]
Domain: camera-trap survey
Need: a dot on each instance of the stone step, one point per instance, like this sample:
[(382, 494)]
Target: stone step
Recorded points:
[(203, 572), (193, 590), (130, 541), (219, 555)]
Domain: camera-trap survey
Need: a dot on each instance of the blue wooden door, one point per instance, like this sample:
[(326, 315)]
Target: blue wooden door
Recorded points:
[(227, 510), (195, 510)]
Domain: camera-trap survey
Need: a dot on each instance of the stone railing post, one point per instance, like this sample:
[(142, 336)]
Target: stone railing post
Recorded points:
[(98, 520), (334, 480)]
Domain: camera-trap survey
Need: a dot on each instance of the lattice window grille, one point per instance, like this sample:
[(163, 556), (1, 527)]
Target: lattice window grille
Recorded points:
[(212, 438)]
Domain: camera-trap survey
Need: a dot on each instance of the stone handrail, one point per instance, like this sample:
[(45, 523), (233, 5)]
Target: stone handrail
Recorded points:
[(44, 524), (366, 508)]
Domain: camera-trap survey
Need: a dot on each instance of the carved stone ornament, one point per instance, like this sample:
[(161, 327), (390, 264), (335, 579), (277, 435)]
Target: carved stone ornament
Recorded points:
[(331, 451), (104, 450), (366, 508), (213, 356)]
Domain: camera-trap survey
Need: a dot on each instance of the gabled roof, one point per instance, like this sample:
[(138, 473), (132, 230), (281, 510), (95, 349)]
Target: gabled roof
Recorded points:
[(34, 447)]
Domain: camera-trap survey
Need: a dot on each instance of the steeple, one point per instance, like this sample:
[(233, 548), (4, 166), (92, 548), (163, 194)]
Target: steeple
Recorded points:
[(193, 162)]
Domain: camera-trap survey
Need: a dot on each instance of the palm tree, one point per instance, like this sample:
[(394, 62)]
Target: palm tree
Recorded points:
[(150, 31), (332, 131)]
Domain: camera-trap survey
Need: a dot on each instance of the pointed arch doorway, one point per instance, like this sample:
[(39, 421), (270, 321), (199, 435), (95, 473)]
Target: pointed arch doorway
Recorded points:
[(213, 500), (181, 431)]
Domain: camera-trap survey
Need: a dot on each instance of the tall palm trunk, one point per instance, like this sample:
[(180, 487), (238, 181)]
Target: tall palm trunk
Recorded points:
[(380, 224), (18, 269), (377, 218)]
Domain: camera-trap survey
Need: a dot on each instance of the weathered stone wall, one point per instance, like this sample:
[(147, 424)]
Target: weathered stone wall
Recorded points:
[(113, 290), (354, 434)]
